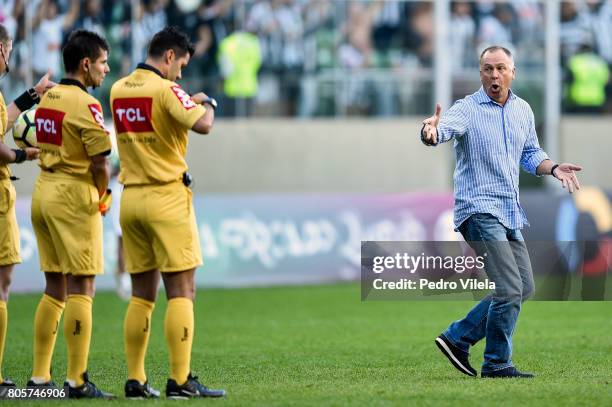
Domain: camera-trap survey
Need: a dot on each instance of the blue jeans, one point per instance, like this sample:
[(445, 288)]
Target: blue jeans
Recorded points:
[(507, 265)]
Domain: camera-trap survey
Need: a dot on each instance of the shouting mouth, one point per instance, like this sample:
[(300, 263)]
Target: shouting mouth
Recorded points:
[(495, 88)]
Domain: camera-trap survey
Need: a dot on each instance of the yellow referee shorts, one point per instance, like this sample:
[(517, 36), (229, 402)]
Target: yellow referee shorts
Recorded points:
[(9, 231), (159, 228), (67, 224)]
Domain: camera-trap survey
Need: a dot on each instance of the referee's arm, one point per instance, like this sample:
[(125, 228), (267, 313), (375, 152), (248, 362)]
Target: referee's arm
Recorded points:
[(204, 123), (100, 169), (454, 124), (9, 156)]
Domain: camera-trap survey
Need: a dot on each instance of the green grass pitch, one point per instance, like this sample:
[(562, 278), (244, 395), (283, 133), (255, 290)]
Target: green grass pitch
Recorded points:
[(323, 346)]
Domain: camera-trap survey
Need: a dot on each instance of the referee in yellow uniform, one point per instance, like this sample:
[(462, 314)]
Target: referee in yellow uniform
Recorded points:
[(152, 116), (9, 231), (66, 213)]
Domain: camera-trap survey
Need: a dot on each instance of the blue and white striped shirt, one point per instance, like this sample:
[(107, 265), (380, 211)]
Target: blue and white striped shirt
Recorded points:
[(491, 141)]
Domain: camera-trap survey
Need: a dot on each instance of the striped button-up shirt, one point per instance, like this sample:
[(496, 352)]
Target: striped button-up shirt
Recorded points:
[(491, 141)]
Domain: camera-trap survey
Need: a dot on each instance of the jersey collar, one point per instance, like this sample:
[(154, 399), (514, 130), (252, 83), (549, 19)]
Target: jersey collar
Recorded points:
[(74, 82), (148, 67)]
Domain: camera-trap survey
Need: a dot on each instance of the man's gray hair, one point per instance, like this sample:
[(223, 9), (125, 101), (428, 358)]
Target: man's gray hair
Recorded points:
[(496, 48)]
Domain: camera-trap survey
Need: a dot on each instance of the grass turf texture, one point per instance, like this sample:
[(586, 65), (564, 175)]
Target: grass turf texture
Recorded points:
[(322, 346)]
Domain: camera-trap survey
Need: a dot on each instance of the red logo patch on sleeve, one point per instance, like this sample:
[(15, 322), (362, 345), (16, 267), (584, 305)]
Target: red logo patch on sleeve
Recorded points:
[(183, 97), (133, 115), (98, 115), (49, 126)]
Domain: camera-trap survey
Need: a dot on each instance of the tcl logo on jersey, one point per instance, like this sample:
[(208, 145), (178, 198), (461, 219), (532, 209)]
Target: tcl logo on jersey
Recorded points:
[(49, 126), (133, 115), (98, 115), (183, 97)]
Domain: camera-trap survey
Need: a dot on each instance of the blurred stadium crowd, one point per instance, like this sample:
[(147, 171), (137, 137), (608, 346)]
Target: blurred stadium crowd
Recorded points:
[(306, 58)]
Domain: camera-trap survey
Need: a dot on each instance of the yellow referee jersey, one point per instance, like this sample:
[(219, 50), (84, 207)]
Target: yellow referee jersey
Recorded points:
[(70, 129), (152, 117), (9, 231), (4, 168)]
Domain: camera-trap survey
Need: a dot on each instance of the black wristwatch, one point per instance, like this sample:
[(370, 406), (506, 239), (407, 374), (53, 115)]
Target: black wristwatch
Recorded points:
[(552, 170), (210, 101)]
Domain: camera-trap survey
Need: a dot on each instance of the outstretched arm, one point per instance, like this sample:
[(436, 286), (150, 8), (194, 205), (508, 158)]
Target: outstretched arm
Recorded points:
[(429, 131), (13, 111), (535, 161), (455, 123), (565, 173)]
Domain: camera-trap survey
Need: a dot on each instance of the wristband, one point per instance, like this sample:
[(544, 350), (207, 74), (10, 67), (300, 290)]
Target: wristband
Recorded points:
[(20, 156), (105, 202), (552, 170), (27, 99)]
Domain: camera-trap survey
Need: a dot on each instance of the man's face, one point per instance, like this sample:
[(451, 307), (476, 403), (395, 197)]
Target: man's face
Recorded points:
[(496, 74), (98, 69), (6, 51), (176, 65)]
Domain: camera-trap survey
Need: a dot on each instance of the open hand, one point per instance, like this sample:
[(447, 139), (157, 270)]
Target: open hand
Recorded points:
[(566, 173)]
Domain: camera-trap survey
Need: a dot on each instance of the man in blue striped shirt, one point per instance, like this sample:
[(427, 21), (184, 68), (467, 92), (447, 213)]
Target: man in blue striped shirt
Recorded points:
[(494, 135)]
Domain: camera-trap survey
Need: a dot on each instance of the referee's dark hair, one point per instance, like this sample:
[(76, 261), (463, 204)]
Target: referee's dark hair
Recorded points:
[(170, 38), (82, 44)]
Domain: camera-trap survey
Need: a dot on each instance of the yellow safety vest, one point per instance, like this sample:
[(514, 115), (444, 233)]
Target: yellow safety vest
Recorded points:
[(590, 74), (240, 56)]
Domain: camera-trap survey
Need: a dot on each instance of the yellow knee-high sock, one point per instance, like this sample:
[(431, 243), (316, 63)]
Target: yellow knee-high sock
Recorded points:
[(3, 327), (46, 324), (136, 331), (77, 331), (178, 327)]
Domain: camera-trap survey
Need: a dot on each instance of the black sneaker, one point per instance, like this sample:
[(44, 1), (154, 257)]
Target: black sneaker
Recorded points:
[(457, 357), (7, 383), (50, 384), (508, 372), (87, 390), (136, 391), (191, 389)]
